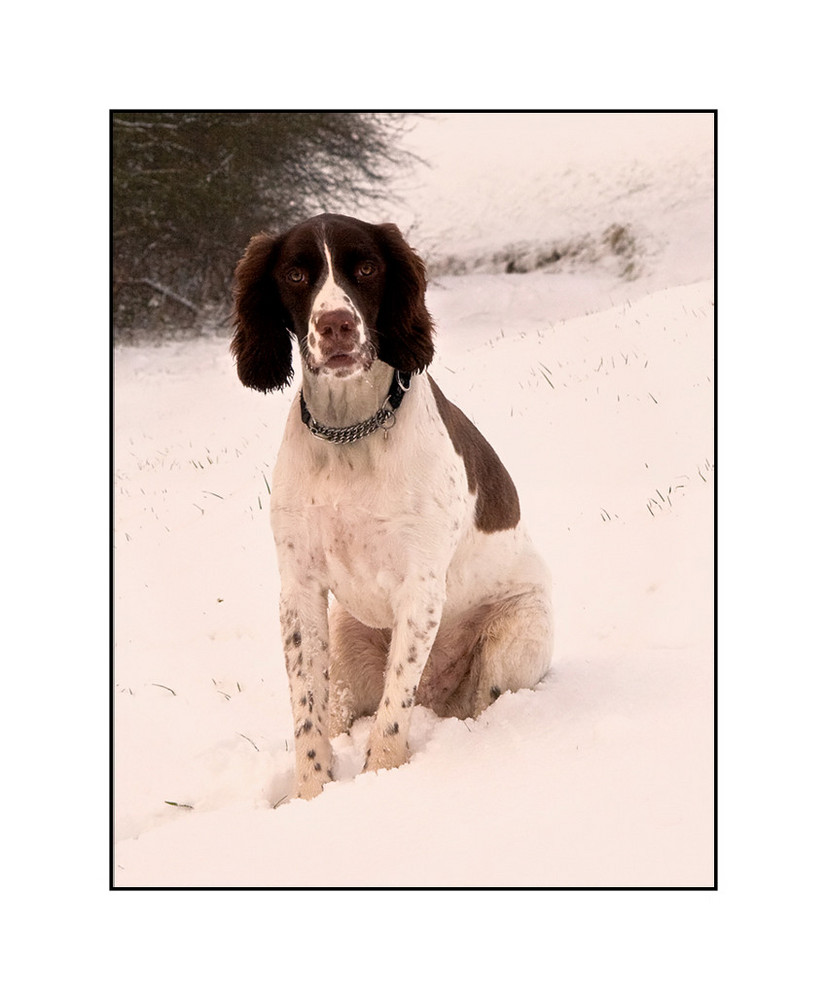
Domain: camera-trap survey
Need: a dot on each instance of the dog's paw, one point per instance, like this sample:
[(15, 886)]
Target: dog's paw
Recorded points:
[(310, 788), (385, 752), (311, 776)]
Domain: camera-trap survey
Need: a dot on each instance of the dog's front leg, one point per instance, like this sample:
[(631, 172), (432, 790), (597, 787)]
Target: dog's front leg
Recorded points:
[(417, 621), (304, 630)]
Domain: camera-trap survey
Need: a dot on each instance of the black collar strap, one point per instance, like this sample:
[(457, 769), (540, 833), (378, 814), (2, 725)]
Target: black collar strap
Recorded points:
[(384, 417)]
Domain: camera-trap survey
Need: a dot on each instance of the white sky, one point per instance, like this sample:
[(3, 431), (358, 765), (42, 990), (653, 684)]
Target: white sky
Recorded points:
[(471, 141)]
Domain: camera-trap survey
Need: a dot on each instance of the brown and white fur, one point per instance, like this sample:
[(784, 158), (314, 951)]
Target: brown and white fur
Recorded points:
[(440, 599)]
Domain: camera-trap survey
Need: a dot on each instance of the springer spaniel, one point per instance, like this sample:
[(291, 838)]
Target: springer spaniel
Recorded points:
[(385, 496)]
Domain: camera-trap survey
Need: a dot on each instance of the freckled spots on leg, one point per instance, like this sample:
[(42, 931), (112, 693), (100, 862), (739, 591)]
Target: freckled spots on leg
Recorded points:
[(311, 754), (392, 729), (317, 766), (308, 725)]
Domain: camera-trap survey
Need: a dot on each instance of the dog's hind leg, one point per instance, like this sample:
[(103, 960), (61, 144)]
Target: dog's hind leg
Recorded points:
[(513, 650), (358, 655)]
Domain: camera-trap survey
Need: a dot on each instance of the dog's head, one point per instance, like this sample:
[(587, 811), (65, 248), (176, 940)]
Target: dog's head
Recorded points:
[(349, 291)]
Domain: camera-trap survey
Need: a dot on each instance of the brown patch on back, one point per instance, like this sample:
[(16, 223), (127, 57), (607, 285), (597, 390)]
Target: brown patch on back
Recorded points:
[(498, 506)]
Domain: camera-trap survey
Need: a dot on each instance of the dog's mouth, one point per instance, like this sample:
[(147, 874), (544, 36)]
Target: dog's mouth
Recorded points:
[(342, 364), (338, 362)]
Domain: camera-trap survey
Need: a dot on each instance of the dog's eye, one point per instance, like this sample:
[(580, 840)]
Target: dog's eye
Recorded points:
[(296, 275), (366, 269)]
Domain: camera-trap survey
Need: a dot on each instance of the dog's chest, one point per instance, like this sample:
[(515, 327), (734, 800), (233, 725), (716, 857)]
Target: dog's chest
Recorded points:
[(362, 560), (362, 533)]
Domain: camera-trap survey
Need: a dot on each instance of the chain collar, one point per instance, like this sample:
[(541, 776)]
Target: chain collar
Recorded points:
[(384, 417)]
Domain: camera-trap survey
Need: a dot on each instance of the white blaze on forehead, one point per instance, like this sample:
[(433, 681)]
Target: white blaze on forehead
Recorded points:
[(332, 296)]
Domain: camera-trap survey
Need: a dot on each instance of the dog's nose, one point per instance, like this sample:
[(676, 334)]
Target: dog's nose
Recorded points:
[(337, 325)]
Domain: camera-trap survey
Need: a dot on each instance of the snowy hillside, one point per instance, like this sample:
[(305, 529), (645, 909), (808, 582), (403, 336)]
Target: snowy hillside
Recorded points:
[(597, 392), (616, 195)]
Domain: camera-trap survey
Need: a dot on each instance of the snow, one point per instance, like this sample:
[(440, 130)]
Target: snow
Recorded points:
[(506, 180), (597, 392)]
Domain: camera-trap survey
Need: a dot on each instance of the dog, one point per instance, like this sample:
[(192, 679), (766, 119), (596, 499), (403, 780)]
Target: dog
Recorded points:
[(407, 577)]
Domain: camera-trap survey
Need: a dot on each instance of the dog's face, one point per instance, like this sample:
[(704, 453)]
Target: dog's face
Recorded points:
[(331, 279), (347, 290)]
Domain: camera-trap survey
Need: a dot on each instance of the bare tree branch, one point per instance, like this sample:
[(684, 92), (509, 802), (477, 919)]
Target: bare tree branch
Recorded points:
[(190, 188)]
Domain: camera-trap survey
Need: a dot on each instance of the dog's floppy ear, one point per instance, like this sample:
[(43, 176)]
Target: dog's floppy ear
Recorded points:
[(261, 345), (404, 327)]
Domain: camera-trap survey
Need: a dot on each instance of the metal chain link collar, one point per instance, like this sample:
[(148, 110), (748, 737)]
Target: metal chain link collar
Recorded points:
[(384, 417)]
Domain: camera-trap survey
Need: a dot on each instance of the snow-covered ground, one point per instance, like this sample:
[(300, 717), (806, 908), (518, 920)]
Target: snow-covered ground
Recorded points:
[(594, 382)]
